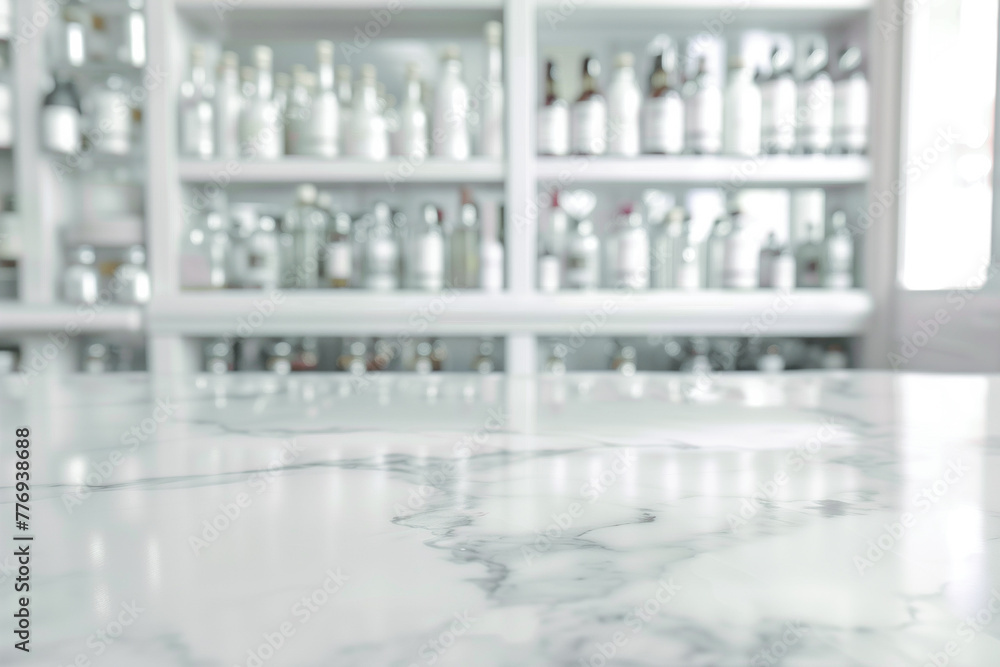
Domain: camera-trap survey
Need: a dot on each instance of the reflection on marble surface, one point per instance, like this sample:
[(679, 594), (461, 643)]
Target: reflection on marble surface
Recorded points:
[(799, 520)]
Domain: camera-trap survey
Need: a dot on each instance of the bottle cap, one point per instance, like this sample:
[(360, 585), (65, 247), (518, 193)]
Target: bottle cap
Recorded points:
[(229, 60), (592, 66), (344, 72), (136, 254), (850, 59), (324, 51), (85, 254), (262, 57), (368, 72), (624, 59), (493, 31), (451, 52), (197, 55)]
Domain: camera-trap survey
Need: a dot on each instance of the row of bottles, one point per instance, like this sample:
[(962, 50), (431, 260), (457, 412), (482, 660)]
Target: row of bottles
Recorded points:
[(356, 355), (697, 355), (11, 246), (105, 120), (252, 113), (758, 111), (655, 248), (312, 245), (97, 355), (114, 33), (6, 99), (116, 279)]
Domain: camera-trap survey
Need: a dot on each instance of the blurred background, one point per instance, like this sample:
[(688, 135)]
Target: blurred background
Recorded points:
[(497, 186)]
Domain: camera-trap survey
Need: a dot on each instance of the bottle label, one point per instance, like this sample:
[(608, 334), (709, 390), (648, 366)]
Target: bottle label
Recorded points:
[(703, 120), (778, 100), (741, 268), (663, 125), (816, 104), (850, 114), (61, 128), (590, 119), (338, 261), (553, 130)]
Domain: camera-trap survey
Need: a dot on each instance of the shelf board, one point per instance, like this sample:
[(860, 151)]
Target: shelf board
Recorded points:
[(708, 170), (344, 4), (25, 318), (293, 170), (470, 313)]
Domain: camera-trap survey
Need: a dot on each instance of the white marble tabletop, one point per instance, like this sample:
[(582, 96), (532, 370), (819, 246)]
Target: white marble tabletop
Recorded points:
[(802, 519)]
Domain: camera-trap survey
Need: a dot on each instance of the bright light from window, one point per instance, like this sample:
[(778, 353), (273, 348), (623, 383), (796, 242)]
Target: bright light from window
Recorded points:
[(948, 144)]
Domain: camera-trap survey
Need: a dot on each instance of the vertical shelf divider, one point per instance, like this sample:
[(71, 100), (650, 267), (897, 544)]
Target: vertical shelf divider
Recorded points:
[(520, 44)]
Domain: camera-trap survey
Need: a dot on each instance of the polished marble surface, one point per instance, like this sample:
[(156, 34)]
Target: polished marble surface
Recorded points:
[(804, 519)]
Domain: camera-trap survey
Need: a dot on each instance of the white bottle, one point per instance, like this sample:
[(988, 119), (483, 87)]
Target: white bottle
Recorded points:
[(589, 115), (196, 113), (261, 133), (549, 270), (344, 97), (777, 265), (109, 117), (583, 258), (491, 139), (687, 260), (369, 134), (779, 97), (257, 259), (742, 255), (133, 278), (815, 129), (463, 248), (381, 253), (411, 140), (228, 106), (491, 252), (624, 108), (632, 249), (307, 224), (665, 244), (553, 118), (299, 114), (663, 109), (80, 282), (61, 117), (742, 124), (703, 113), (838, 254), (850, 105), (428, 253), (133, 51), (325, 120), (451, 110)]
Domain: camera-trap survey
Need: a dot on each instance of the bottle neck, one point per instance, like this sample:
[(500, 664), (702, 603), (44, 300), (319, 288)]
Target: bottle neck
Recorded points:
[(198, 76), (265, 84), (325, 77), (494, 66)]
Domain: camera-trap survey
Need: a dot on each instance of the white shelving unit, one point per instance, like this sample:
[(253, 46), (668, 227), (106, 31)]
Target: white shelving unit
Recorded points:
[(175, 318)]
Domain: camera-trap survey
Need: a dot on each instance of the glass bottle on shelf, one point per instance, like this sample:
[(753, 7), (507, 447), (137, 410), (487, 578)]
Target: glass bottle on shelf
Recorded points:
[(850, 104), (344, 97), (282, 91), (369, 134), (6, 104), (428, 252), (259, 256), (491, 251), (556, 362), (663, 110), (109, 117), (484, 363), (354, 358), (61, 117), (97, 359), (703, 112), (326, 106), (553, 117), (133, 48), (423, 363), (411, 140), (439, 354), (11, 244), (715, 253), (451, 110), (583, 257), (624, 108), (549, 268), (300, 114), (589, 115), (228, 106), (133, 277), (491, 140), (633, 252), (809, 258), (463, 248), (261, 134), (338, 264), (777, 265), (381, 252), (307, 223), (663, 246), (815, 129), (742, 254), (81, 280), (687, 259), (838, 254), (771, 361), (219, 357), (278, 357), (742, 114), (195, 262), (779, 97), (697, 361), (624, 360), (74, 45), (196, 113)]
